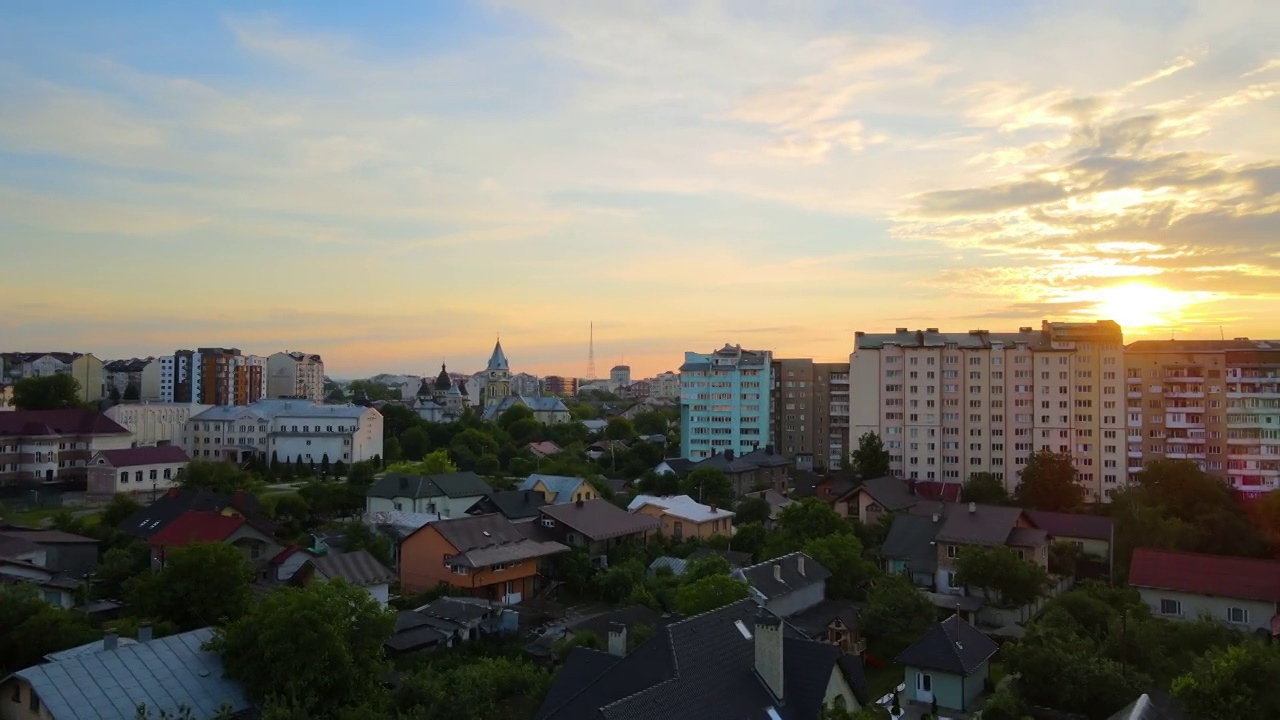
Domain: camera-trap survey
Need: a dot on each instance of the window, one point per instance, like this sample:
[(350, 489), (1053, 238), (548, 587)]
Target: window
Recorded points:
[(499, 567), (1170, 607), (548, 522), (124, 476), (953, 551), (459, 570), (1237, 616)]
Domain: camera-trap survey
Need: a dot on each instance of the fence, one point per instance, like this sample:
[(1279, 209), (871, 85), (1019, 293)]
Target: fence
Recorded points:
[(1000, 617)]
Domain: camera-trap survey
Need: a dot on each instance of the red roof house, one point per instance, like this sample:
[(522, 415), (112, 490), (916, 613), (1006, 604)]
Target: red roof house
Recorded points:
[(197, 527), (149, 455), (1242, 592)]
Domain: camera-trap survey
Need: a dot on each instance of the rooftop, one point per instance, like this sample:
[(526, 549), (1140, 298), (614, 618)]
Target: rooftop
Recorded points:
[(271, 409), (1213, 575), (562, 486), (780, 576), (358, 568), (952, 646), (681, 506), (600, 519), (73, 421), (1072, 525), (195, 526), (512, 504), (454, 485), (147, 455)]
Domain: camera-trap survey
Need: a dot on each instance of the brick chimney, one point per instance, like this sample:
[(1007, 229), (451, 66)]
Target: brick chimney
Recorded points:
[(617, 639), (768, 642)]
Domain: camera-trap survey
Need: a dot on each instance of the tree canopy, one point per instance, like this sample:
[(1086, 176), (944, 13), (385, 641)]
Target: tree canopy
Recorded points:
[(984, 488), (1048, 482), (198, 586), (802, 521), (998, 570), (896, 614), (30, 628), (49, 392), (870, 459), (709, 486), (709, 593)]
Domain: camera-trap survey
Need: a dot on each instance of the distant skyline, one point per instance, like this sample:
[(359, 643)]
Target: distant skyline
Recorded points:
[(390, 184)]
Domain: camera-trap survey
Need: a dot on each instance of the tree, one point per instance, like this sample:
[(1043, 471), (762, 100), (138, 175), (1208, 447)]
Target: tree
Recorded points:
[(50, 392), (274, 467), (896, 614), (705, 566), (339, 469), (513, 415), (324, 465), (749, 538), (220, 477), (1048, 482), (435, 463), (131, 391), (1232, 682), (322, 645), (709, 593), (802, 521), (198, 586), (651, 422), (752, 509), (984, 488), (373, 390), (391, 450), (362, 474), (1063, 671), (118, 510), (998, 569), (661, 484), (619, 428), (1063, 557), (841, 554), (488, 464), (414, 443), (709, 486), (120, 565), (488, 688), (871, 459), (30, 628)]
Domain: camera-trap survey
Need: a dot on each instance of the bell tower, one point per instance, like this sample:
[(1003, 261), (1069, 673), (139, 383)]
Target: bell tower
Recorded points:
[(497, 376)]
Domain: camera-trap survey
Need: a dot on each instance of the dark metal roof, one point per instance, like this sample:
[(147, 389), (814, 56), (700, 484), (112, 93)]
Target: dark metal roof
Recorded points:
[(910, 538), (168, 507), (454, 485), (511, 504), (986, 525), (784, 575), (1072, 525), (1154, 705), (358, 568), (889, 492), (600, 519), (952, 646)]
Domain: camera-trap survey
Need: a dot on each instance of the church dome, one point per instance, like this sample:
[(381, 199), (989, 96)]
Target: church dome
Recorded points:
[(443, 382), (424, 388)]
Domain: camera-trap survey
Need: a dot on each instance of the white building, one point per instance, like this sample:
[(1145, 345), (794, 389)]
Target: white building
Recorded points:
[(665, 385), (287, 430), (947, 405), (295, 374), (620, 375), (173, 378), (153, 423), (136, 470)]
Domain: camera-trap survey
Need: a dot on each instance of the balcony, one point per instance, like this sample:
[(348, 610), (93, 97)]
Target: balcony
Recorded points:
[(1185, 456), (1134, 380), (1135, 468), (1197, 408), (1244, 441), (1192, 376), (1188, 424), (1135, 454), (1134, 393), (1189, 394)]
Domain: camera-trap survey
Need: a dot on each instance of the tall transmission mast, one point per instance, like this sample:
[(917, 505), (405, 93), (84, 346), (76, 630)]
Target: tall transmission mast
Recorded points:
[(591, 353)]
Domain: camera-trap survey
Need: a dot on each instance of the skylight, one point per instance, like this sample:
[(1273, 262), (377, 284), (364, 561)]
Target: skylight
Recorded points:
[(773, 714), (746, 634)]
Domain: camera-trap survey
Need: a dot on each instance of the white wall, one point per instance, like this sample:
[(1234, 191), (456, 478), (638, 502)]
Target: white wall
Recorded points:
[(153, 423)]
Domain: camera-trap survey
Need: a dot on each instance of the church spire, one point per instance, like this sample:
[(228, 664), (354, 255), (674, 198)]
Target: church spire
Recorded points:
[(498, 360)]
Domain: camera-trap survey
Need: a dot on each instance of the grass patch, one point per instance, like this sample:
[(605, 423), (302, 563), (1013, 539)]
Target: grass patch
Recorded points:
[(33, 518)]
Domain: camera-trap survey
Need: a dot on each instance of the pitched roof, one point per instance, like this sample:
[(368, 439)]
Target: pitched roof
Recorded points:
[(543, 448), (163, 674), (911, 538), (1213, 575), (1027, 537), (454, 485), (780, 576), (631, 616), (600, 519), (512, 504), (681, 506), (582, 667), (986, 525), (952, 646), (96, 646), (498, 360), (814, 621), (889, 492), (148, 455), (483, 540), (358, 568), (703, 667), (1072, 525), (563, 487), (151, 519), (679, 466), (70, 421), (674, 564), (765, 457), (1154, 705), (12, 546), (197, 527)]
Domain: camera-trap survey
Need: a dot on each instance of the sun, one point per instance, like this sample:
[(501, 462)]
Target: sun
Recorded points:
[(1138, 305)]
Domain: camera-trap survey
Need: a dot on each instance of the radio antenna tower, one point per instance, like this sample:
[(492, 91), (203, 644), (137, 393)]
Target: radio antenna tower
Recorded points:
[(591, 353)]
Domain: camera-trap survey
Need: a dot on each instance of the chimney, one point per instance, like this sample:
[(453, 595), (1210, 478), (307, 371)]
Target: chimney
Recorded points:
[(713, 508), (973, 508), (110, 640), (617, 639), (768, 642), (238, 503), (173, 492), (800, 564), (144, 632), (777, 572), (579, 502), (936, 517)]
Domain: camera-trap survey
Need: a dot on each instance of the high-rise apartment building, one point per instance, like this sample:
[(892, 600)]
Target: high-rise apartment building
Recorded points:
[(295, 375), (809, 407), (559, 385), (948, 405), (620, 375), (209, 376), (665, 385), (724, 400), (1214, 402)]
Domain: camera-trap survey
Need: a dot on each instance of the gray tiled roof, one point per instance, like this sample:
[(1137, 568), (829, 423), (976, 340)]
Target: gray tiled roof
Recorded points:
[(1027, 537), (454, 485), (910, 538), (487, 539), (358, 568), (890, 492), (1072, 525), (163, 674), (600, 519), (952, 646), (986, 525), (790, 575)]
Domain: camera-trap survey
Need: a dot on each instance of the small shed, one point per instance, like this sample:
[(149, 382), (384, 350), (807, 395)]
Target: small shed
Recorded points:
[(949, 664)]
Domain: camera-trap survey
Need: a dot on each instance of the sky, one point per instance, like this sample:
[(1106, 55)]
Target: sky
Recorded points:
[(393, 184)]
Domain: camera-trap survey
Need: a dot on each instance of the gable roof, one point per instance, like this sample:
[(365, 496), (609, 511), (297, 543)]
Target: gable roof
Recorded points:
[(1072, 525), (889, 492), (163, 674), (765, 457), (911, 539), (561, 486), (952, 646), (512, 504), (149, 520), (358, 568), (780, 576), (703, 667), (600, 519), (986, 525), (679, 466), (149, 455), (196, 526), (681, 506), (453, 485), (12, 547), (582, 667), (70, 421), (1154, 705), (483, 540), (46, 537), (1213, 575)]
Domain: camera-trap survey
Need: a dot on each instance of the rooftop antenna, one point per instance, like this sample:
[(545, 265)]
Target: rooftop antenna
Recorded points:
[(591, 352)]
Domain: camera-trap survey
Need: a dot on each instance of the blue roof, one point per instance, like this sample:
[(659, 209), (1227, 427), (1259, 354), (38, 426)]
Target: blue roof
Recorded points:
[(536, 403), (677, 565), (164, 674), (563, 487)]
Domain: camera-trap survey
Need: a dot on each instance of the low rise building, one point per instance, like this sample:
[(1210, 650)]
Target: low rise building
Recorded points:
[(154, 423), (962, 525), (1241, 592), (443, 494), (195, 527), (356, 568), (134, 470), (147, 521), (559, 489), (683, 517), (287, 431), (950, 665), (54, 445), (596, 525), (787, 585)]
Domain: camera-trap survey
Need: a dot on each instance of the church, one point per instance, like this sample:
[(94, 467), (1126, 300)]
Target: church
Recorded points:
[(496, 395), (441, 400)]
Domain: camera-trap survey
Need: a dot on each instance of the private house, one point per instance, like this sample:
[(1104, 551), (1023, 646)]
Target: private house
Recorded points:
[(949, 664), (395, 526), (909, 549), (875, 497), (559, 489), (1155, 705), (776, 500), (737, 662), (543, 449), (597, 526), (357, 568), (1093, 535), (684, 517), (287, 562), (680, 467), (971, 524), (57, 589), (600, 448), (64, 552), (155, 517), (482, 556), (135, 470), (614, 627), (515, 505), (756, 470), (165, 674), (194, 527), (45, 446), (446, 494), (787, 585), (1241, 592), (445, 622)]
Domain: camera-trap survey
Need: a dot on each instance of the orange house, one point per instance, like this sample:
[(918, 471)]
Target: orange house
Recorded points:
[(683, 517), (483, 556)]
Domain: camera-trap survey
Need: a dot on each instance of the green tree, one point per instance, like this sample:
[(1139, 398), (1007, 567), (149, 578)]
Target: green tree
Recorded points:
[(752, 509), (651, 423), (984, 488), (619, 428), (999, 570), (841, 554), (1063, 556), (391, 452), (131, 392), (896, 614), (1063, 671), (274, 467), (435, 463), (488, 464), (121, 508), (1232, 682), (322, 644), (120, 565), (487, 688), (802, 521), (50, 392), (198, 586), (709, 593), (871, 460), (336, 396), (705, 566), (397, 419), (709, 486), (324, 465), (414, 443), (1048, 482), (30, 628), (220, 477), (661, 484), (513, 415), (373, 390)]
